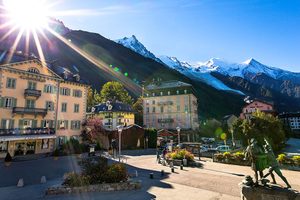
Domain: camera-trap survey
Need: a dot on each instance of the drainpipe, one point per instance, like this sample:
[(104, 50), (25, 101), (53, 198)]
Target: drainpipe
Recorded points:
[(56, 111)]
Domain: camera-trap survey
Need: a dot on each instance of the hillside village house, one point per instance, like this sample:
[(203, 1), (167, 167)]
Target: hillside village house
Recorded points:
[(38, 107), (254, 106), (113, 114), (171, 104)]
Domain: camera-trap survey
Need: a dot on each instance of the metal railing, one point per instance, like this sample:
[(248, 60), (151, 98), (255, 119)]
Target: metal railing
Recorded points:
[(35, 111), (32, 93), (27, 131)]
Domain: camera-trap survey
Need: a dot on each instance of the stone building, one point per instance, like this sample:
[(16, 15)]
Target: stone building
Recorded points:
[(170, 104), (38, 107)]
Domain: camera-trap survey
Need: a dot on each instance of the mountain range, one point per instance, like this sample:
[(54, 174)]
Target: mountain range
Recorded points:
[(98, 60)]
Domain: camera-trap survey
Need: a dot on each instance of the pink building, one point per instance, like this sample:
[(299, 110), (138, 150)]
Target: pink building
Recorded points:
[(254, 106)]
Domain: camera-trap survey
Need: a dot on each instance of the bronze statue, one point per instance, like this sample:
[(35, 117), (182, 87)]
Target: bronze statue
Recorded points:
[(273, 164), (258, 158)]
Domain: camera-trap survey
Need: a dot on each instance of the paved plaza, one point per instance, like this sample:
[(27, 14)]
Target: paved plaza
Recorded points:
[(213, 181)]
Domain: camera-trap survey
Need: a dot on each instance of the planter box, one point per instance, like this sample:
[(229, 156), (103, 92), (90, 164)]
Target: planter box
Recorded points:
[(290, 167), (105, 187)]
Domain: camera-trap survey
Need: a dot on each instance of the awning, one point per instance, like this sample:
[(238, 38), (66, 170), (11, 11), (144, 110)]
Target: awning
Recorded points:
[(25, 137)]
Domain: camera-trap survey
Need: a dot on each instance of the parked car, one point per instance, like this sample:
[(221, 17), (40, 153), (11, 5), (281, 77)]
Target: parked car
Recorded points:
[(203, 149), (223, 148)]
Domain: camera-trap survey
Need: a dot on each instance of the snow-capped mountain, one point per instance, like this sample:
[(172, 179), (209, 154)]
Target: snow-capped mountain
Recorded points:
[(135, 45), (251, 70), (196, 73)]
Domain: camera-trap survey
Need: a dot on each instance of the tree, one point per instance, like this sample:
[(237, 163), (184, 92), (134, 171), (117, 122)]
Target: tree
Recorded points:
[(261, 126), (211, 128), (138, 108), (93, 98), (115, 91)]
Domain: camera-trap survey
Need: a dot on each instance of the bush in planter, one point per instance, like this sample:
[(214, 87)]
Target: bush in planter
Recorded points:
[(8, 158), (219, 157), (296, 160), (95, 170), (180, 155), (76, 180), (227, 155), (116, 173), (240, 156)]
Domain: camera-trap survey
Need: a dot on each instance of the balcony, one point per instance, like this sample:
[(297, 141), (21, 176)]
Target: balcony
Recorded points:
[(164, 121), (164, 103), (27, 131), (32, 93), (32, 111)]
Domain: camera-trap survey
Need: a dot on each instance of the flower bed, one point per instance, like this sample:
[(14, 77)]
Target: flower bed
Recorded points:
[(291, 163), (231, 158), (180, 154)]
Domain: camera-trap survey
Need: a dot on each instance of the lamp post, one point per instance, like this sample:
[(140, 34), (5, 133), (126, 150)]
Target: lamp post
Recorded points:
[(120, 129), (178, 131)]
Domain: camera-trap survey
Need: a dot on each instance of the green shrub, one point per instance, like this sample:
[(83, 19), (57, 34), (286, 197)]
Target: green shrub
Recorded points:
[(296, 160), (227, 155), (180, 155), (8, 158), (72, 147), (116, 173), (95, 170), (76, 180)]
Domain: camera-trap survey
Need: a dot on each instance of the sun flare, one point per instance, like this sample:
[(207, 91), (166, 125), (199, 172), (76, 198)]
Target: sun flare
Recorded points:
[(29, 14)]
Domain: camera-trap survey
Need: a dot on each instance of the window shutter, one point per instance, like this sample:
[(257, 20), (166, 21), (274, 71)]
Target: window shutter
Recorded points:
[(45, 88), (66, 124), (60, 91), (3, 122), (58, 124), (69, 92), (34, 123), (1, 102), (12, 123), (54, 89), (51, 124), (21, 123), (42, 123), (14, 102)]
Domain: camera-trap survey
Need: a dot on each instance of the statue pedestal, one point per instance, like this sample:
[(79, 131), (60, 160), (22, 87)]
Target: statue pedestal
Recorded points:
[(270, 192)]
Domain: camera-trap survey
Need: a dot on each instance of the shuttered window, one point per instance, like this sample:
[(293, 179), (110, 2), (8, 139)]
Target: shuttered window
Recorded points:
[(65, 91), (8, 102), (11, 83), (75, 125)]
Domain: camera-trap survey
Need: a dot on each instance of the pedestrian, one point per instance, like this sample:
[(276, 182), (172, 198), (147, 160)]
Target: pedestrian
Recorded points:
[(165, 153)]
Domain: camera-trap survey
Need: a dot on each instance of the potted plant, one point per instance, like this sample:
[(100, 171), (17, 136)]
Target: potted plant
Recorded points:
[(7, 159)]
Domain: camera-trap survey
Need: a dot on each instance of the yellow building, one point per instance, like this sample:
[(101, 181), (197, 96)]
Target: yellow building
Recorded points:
[(113, 114), (170, 104), (38, 107)]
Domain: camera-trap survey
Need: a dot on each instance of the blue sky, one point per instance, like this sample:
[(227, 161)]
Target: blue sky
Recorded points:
[(234, 30)]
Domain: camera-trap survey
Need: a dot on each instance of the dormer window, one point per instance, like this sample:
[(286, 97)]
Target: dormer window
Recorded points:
[(33, 70), (77, 77), (65, 75)]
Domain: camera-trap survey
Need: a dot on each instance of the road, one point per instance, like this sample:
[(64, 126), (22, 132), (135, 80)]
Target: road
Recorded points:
[(213, 181)]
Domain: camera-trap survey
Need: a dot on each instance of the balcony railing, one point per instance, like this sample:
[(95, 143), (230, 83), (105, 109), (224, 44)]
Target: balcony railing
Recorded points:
[(27, 131), (164, 103), (108, 124), (32, 93), (33, 111), (167, 120)]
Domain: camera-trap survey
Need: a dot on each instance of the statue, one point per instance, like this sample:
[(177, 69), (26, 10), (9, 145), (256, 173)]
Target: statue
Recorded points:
[(273, 164), (258, 158)]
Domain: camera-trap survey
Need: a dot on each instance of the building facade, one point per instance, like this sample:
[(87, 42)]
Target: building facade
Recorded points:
[(38, 108), (113, 114), (291, 120), (255, 106), (170, 104)]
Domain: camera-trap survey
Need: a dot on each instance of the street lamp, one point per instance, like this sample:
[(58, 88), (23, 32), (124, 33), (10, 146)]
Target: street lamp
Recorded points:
[(120, 129), (178, 131)]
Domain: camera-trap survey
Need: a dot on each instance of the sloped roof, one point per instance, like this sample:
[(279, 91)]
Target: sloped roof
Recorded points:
[(167, 84)]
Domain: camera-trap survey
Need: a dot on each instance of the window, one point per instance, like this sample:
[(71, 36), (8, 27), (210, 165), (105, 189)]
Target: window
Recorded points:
[(76, 108), (50, 89), (31, 85), (186, 108), (47, 123), (9, 102), (62, 124), (147, 110), (161, 109), (153, 109), (75, 125), (153, 94), (177, 92), (64, 107), (161, 93), (50, 105), (65, 91), (77, 93), (7, 124), (185, 91), (147, 94), (147, 102), (30, 103), (153, 102), (11, 83), (33, 70), (178, 108)]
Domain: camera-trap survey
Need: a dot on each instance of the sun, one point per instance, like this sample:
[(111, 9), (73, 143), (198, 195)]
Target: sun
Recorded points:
[(27, 14)]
